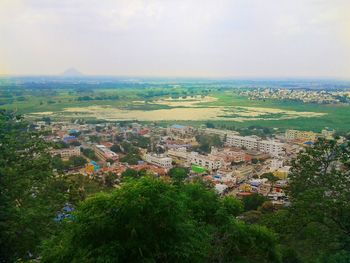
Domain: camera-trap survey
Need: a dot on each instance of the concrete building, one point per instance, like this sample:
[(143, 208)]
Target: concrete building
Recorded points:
[(328, 133), (103, 153), (270, 147), (208, 161), (254, 143), (246, 142), (276, 164), (243, 173), (300, 135), (180, 130), (178, 153), (229, 155), (221, 133), (159, 160), (66, 153)]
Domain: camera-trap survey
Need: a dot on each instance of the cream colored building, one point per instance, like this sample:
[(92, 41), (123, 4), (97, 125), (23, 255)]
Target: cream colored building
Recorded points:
[(301, 135), (66, 153), (254, 143), (158, 160)]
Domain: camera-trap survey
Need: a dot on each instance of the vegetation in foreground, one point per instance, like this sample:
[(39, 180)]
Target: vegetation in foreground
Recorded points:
[(154, 220)]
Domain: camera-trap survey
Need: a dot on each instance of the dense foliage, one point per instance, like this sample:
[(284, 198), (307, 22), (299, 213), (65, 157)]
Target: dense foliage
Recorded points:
[(149, 220), (28, 190)]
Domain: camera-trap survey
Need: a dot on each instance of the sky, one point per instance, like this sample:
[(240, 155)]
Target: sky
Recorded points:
[(182, 38)]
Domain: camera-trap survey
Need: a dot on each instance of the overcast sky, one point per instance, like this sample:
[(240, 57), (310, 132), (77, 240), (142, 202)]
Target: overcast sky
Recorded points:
[(217, 38)]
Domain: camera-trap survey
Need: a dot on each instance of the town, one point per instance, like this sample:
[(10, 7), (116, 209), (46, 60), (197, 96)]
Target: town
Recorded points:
[(304, 95), (233, 164)]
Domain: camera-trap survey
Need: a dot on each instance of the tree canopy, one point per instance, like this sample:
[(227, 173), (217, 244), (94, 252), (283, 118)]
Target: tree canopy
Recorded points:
[(150, 220)]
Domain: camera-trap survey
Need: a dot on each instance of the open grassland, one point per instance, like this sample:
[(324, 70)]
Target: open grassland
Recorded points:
[(223, 108)]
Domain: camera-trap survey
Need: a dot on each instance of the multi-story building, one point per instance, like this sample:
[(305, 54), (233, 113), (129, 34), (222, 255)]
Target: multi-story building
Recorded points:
[(229, 155), (300, 135), (221, 133), (248, 142), (180, 130), (276, 164), (66, 153), (159, 160), (208, 161), (254, 143), (271, 147), (243, 173), (328, 133), (179, 153), (103, 153)]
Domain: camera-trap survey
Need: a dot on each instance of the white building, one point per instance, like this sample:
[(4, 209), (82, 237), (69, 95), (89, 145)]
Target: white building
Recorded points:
[(66, 153), (208, 161), (159, 160), (254, 143), (276, 164), (103, 153), (328, 133), (247, 142), (221, 133), (271, 147), (179, 153)]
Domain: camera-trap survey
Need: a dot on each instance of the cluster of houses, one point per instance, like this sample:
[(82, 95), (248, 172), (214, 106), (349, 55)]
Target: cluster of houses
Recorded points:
[(236, 166)]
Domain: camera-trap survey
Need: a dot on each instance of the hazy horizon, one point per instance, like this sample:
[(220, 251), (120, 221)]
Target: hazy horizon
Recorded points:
[(236, 39)]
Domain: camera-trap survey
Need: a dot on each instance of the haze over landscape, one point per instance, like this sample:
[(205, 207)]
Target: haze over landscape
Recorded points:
[(224, 38)]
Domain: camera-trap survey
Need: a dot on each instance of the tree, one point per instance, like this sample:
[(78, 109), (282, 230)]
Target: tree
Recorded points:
[(253, 201), (320, 194), (178, 174), (143, 221), (29, 192), (131, 159), (130, 173), (76, 161), (89, 153), (207, 141), (210, 125), (150, 220), (116, 148)]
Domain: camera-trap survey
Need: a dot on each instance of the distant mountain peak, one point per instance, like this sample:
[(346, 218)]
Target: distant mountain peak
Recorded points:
[(72, 72)]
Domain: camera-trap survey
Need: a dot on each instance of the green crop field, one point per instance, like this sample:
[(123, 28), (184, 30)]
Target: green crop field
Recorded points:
[(189, 103)]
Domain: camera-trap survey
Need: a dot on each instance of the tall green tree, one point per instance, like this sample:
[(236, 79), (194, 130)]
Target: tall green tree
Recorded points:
[(28, 191), (320, 194), (150, 220)]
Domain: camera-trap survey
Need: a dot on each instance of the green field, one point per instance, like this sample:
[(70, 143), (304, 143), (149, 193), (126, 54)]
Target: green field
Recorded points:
[(225, 108)]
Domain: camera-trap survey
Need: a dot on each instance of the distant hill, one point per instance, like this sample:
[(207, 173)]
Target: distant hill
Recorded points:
[(72, 72)]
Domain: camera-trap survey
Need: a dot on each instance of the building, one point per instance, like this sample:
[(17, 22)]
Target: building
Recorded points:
[(276, 164), (103, 153), (159, 160), (208, 161), (243, 173), (179, 153), (247, 142), (328, 133), (66, 153), (180, 130), (300, 135), (69, 139), (221, 133), (254, 143), (229, 155), (271, 147)]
